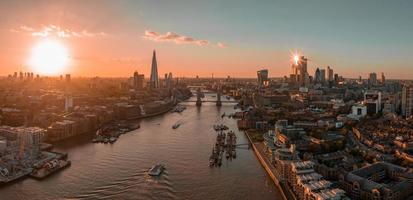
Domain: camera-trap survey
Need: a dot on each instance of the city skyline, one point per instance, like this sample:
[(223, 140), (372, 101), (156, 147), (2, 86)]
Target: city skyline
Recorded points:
[(239, 42)]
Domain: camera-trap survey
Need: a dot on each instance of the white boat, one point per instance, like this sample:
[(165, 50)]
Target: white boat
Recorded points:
[(156, 170), (112, 139)]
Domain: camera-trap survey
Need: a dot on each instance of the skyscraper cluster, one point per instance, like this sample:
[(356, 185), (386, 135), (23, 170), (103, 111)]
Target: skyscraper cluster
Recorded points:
[(22, 76)]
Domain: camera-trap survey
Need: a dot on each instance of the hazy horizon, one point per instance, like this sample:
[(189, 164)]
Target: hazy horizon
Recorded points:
[(201, 38)]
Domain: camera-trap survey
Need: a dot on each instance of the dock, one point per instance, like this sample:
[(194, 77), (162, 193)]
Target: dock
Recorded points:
[(225, 143), (49, 169)]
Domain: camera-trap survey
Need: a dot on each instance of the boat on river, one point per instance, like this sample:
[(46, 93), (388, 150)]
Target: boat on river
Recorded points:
[(175, 126), (156, 170)]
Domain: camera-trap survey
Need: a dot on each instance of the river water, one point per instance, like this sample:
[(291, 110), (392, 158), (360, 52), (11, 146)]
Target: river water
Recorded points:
[(118, 171)]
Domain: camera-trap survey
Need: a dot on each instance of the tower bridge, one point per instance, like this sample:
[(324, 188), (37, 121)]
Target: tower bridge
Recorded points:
[(201, 94)]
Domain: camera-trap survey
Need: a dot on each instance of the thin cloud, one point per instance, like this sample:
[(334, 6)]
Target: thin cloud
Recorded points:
[(56, 31), (222, 45), (173, 37)]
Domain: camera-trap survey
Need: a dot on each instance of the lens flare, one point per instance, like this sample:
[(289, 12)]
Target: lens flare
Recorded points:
[(49, 57), (296, 59)]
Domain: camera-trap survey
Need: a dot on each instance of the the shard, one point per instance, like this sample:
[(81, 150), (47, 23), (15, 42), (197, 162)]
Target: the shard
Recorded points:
[(154, 82)]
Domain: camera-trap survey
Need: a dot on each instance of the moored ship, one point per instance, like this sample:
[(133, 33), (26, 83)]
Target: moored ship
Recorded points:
[(49, 168), (7, 177)]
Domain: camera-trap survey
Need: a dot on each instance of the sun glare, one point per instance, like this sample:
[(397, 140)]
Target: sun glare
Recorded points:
[(49, 57), (296, 59)]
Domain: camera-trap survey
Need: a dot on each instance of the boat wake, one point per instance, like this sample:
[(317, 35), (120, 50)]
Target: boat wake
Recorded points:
[(137, 186)]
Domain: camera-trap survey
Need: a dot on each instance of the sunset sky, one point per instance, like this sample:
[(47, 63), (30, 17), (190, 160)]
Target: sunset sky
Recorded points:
[(236, 38)]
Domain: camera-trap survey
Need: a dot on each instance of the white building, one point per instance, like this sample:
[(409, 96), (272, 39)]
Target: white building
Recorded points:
[(358, 111), (372, 99)]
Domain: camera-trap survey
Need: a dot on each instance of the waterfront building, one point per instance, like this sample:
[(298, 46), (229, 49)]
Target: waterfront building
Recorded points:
[(61, 130), (29, 136), (282, 160), (407, 101), (378, 181), (301, 168), (154, 79)]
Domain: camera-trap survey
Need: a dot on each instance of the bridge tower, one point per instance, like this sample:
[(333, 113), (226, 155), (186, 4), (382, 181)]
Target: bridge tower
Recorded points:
[(219, 102), (198, 97)]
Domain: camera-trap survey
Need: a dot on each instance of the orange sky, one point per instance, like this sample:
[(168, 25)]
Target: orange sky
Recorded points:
[(111, 38)]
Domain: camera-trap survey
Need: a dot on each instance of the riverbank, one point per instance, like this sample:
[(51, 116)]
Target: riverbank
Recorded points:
[(120, 171), (259, 148)]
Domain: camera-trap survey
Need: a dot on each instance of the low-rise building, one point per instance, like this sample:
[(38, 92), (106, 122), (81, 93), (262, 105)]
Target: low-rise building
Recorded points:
[(378, 181)]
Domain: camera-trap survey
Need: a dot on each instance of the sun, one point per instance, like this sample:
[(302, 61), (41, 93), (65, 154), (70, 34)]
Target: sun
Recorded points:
[(49, 57)]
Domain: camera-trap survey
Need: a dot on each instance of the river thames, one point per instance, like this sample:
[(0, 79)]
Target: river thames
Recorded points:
[(119, 170)]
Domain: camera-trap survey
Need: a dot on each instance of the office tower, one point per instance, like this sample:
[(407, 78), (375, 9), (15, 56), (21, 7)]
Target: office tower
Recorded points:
[(372, 99), (373, 79), (407, 101), (317, 76), (336, 78), (330, 74), (154, 81), (170, 80), (299, 67), (383, 78), (138, 80), (322, 75), (262, 77)]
